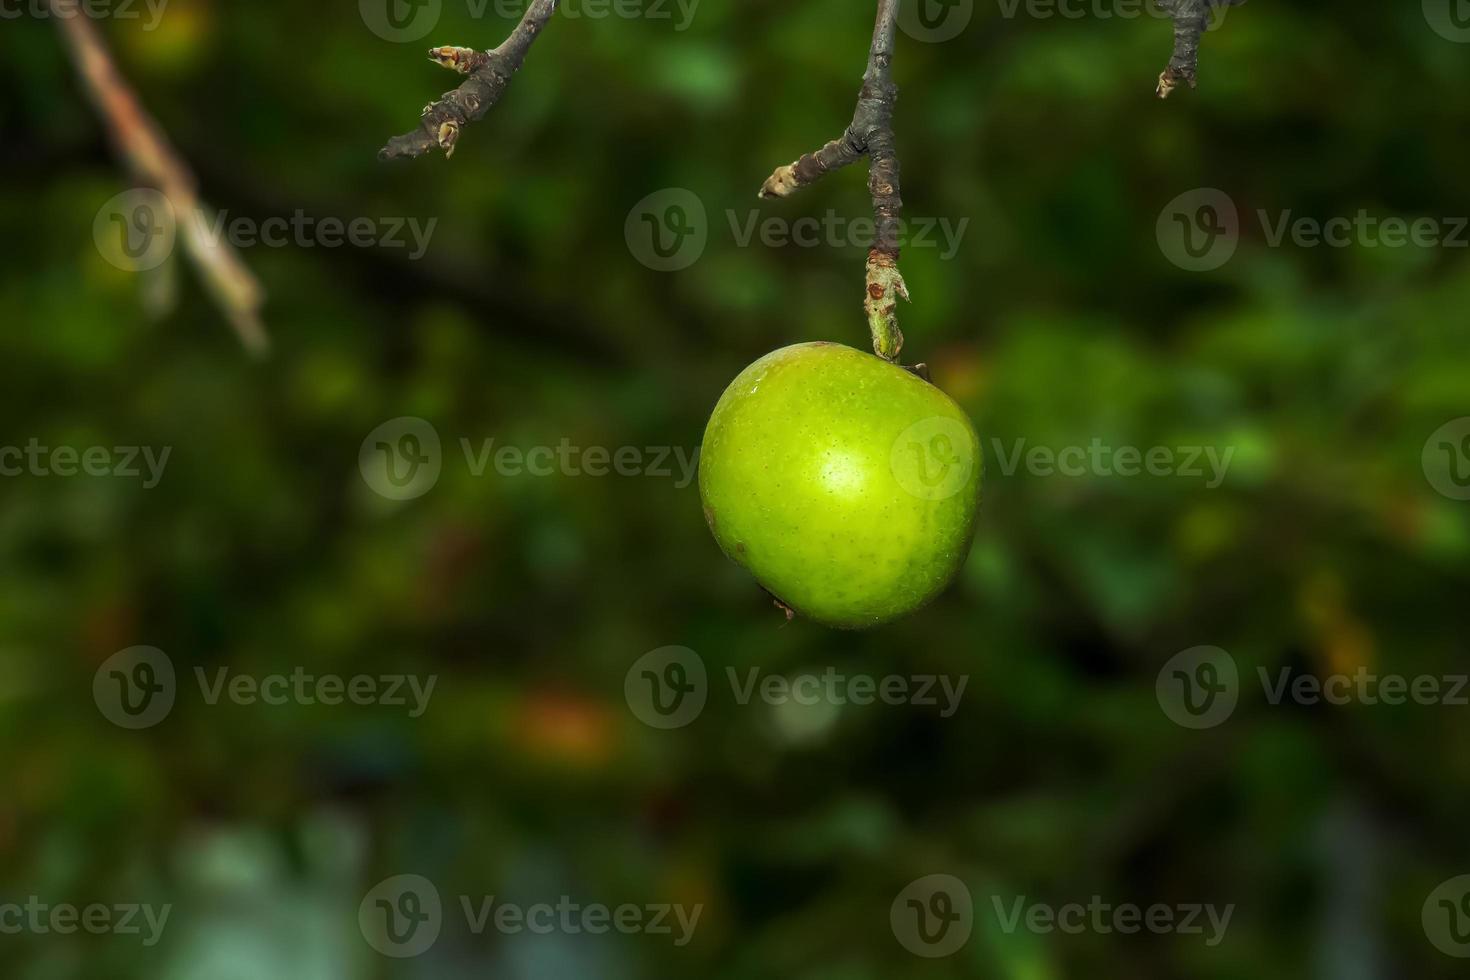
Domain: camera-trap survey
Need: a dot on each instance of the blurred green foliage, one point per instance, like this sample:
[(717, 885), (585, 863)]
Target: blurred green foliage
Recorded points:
[(529, 320)]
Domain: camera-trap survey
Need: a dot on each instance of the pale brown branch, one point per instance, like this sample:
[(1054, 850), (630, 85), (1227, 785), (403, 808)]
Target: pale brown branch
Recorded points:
[(152, 160)]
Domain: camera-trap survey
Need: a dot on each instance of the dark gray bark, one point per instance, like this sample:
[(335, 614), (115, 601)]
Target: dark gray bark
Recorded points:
[(870, 134), (489, 74), (1191, 21)]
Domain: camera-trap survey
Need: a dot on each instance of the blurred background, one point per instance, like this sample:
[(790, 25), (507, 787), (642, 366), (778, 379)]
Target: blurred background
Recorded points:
[(1119, 280)]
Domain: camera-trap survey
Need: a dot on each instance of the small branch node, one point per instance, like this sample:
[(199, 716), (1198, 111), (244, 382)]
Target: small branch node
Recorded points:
[(782, 183), (1171, 78), (466, 61)]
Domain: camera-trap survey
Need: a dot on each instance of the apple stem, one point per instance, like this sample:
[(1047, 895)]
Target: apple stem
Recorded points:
[(885, 288)]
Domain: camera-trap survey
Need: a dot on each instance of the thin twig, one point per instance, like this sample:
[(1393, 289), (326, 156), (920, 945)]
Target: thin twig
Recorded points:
[(152, 160), (1191, 21), (489, 74), (869, 134)]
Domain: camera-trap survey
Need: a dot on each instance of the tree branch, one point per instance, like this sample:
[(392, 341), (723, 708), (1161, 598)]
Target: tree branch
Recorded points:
[(153, 160), (489, 74), (1191, 21), (869, 134)]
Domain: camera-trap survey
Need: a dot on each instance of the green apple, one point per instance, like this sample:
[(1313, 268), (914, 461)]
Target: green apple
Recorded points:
[(845, 484)]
